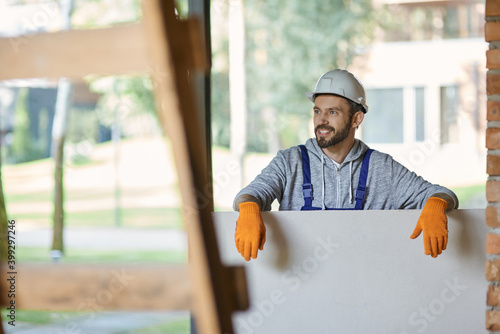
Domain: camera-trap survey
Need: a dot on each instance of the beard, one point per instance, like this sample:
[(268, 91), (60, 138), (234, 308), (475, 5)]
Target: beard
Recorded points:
[(338, 136)]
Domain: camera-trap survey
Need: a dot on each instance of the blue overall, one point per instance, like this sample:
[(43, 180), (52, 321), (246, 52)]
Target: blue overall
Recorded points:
[(307, 189)]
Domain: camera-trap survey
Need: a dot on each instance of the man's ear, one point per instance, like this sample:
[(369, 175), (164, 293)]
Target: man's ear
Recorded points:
[(357, 119)]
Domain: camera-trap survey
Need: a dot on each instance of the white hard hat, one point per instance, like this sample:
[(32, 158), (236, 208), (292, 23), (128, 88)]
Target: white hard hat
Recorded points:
[(342, 83)]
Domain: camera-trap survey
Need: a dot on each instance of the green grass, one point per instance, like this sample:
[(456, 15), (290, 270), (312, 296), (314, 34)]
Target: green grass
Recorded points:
[(42, 196), (71, 194), (182, 326), (76, 255), (47, 196), (39, 317), (24, 206), (465, 194), (29, 163), (139, 217), (170, 218)]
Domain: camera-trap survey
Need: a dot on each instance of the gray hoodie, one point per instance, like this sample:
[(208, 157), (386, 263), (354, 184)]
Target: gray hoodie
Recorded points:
[(389, 185)]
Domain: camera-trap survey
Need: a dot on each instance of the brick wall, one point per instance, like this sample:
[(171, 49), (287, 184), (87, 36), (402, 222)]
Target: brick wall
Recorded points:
[(492, 36)]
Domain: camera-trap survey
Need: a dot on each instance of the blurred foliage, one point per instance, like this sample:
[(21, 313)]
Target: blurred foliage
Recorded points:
[(449, 20), (82, 134), (220, 100), (289, 45), (122, 97), (24, 147)]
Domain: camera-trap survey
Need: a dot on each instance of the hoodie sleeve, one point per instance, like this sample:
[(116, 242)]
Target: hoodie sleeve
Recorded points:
[(411, 191), (269, 184)]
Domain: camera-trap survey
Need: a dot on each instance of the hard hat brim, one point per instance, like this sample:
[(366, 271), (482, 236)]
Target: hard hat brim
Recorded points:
[(310, 96)]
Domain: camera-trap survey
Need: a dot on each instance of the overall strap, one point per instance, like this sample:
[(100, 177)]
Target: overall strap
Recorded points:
[(306, 178), (363, 176)]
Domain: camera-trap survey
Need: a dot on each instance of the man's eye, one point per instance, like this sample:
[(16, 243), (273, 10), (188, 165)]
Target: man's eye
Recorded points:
[(333, 112)]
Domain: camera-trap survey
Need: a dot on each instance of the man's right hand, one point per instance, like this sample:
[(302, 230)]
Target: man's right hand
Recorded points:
[(250, 233)]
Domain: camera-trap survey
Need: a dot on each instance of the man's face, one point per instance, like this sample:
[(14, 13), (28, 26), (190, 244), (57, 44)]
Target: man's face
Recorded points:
[(332, 120)]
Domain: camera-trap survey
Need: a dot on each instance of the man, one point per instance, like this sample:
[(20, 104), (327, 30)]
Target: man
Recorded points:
[(335, 171)]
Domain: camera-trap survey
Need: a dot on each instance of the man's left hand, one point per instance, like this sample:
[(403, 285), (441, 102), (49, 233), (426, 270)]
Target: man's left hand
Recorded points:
[(434, 223)]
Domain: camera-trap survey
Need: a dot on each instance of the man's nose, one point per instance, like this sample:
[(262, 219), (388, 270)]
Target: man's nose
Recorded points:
[(323, 118)]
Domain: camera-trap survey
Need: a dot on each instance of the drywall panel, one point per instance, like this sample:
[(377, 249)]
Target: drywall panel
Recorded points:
[(359, 272)]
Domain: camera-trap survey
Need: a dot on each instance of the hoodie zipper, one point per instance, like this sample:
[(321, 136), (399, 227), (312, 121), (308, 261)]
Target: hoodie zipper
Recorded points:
[(338, 186)]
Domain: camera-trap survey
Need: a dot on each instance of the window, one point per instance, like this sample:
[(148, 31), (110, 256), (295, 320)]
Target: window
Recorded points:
[(419, 114), (397, 115), (384, 121), (449, 114)]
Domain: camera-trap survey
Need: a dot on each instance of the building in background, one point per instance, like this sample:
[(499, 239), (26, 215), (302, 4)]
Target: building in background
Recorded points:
[(425, 77)]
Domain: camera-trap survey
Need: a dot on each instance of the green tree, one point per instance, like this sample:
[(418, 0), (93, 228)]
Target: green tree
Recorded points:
[(24, 147), (129, 95), (289, 44)]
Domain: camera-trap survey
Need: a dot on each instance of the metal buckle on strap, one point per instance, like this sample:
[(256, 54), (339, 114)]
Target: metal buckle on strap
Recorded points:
[(307, 190), (361, 193)]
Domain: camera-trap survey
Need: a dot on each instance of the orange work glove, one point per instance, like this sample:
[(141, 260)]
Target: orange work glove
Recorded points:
[(434, 223), (250, 233)]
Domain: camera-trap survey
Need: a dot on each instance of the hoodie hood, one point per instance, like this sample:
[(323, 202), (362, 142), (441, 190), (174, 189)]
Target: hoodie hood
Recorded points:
[(357, 151)]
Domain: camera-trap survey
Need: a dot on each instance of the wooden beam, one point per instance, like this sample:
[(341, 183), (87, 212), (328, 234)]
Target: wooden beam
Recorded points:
[(168, 97), (195, 54), (74, 53), (215, 288), (82, 287)]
